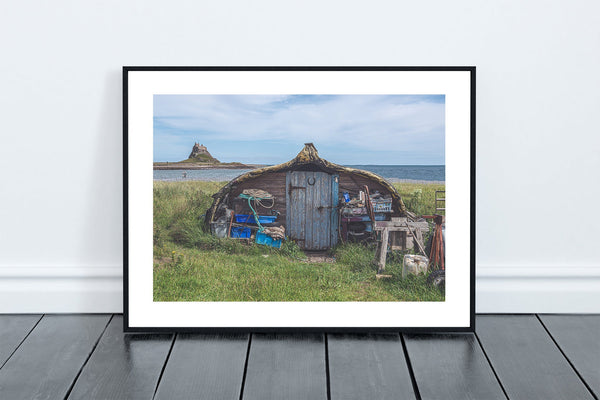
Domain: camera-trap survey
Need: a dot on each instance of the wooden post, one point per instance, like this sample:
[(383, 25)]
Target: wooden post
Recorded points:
[(420, 239), (230, 224), (416, 238), (383, 251)]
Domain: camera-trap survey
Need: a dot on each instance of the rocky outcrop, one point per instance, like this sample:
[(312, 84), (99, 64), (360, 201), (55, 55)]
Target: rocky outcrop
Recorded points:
[(200, 153)]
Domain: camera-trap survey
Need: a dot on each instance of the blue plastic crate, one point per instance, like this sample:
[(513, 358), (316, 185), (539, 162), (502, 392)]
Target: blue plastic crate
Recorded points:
[(249, 219), (378, 217), (382, 205), (263, 238), (239, 232)]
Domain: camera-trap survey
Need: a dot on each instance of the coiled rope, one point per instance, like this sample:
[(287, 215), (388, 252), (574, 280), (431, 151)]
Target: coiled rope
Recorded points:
[(257, 196)]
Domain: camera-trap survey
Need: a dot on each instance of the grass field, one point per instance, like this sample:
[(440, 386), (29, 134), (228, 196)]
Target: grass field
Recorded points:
[(193, 265)]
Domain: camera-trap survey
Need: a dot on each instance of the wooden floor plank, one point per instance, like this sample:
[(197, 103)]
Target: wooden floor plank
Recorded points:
[(123, 366), (526, 360), (368, 367), (451, 366), (205, 367), (579, 338), (13, 329), (46, 364), (286, 366)]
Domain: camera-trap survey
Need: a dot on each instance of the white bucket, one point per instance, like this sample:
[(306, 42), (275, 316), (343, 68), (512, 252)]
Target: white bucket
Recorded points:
[(219, 229), (414, 264)]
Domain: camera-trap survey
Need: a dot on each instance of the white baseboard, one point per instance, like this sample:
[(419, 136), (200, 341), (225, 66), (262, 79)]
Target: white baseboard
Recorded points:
[(50, 289), (538, 289)]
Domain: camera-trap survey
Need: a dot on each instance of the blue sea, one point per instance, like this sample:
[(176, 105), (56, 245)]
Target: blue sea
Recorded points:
[(393, 173), (399, 173)]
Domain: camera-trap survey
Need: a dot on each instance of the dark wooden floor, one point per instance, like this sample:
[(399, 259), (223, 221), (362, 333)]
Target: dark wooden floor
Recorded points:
[(510, 356)]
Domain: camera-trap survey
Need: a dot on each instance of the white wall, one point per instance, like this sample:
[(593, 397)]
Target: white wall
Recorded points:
[(538, 127)]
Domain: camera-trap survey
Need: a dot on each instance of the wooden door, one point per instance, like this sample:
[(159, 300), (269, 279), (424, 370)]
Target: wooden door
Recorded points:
[(312, 218)]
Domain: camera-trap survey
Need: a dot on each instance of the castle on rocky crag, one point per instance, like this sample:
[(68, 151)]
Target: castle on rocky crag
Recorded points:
[(197, 150), (200, 152)]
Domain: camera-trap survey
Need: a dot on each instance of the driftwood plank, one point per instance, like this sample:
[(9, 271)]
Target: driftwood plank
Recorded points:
[(286, 366), (451, 367), (579, 338), (123, 366), (368, 367), (47, 363), (207, 367), (526, 360), (383, 248), (13, 329)]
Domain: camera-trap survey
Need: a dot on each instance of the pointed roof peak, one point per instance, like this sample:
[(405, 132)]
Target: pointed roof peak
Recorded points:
[(308, 154)]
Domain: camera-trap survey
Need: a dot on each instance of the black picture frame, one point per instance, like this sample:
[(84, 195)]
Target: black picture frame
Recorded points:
[(132, 327)]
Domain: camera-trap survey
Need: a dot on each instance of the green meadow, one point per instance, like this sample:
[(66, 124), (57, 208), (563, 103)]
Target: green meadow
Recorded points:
[(190, 264)]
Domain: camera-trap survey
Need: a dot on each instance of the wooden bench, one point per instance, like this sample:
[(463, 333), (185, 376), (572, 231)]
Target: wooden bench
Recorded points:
[(398, 224)]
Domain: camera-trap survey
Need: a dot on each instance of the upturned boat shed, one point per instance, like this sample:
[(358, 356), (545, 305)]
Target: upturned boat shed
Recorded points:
[(317, 202)]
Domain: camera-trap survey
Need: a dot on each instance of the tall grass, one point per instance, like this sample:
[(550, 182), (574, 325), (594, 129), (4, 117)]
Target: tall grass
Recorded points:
[(190, 264), (419, 198)]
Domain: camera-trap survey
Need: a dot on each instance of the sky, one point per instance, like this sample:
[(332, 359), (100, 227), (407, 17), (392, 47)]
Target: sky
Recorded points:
[(271, 129)]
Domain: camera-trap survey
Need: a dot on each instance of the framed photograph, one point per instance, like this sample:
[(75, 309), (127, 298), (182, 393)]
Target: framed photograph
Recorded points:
[(299, 198)]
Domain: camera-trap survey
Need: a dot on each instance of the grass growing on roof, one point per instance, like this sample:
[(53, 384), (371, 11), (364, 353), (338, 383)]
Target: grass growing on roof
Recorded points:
[(193, 265)]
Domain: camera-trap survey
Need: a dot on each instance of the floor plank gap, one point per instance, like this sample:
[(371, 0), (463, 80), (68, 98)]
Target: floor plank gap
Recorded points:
[(87, 359), (20, 343), (410, 368), (246, 366), (566, 358), (162, 371), (491, 365)]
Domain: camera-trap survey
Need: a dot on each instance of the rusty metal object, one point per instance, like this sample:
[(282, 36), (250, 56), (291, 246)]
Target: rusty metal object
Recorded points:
[(437, 254), (368, 204)]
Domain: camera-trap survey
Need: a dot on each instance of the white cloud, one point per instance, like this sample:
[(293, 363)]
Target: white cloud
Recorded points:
[(372, 123)]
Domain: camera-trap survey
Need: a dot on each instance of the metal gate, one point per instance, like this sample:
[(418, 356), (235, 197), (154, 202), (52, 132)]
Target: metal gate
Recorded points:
[(311, 215)]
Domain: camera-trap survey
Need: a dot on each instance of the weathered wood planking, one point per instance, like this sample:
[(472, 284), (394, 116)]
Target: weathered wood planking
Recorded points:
[(13, 329), (307, 160), (368, 367), (579, 338), (123, 366), (273, 183), (355, 183), (207, 367), (319, 218), (296, 198), (382, 249), (451, 367), (47, 363), (286, 366), (312, 219), (401, 224), (526, 360)]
